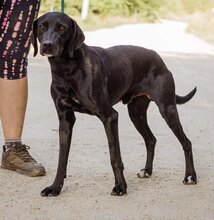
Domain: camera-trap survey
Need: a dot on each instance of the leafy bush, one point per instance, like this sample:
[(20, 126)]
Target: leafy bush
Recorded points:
[(145, 8), (149, 9), (186, 6), (72, 7)]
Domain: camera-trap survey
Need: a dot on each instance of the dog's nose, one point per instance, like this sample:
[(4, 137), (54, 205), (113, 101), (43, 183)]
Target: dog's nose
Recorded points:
[(47, 44)]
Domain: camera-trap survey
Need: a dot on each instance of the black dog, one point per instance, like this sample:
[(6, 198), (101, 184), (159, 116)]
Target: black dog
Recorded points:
[(92, 79)]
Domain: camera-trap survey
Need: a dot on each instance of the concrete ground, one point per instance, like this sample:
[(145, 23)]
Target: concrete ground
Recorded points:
[(86, 192)]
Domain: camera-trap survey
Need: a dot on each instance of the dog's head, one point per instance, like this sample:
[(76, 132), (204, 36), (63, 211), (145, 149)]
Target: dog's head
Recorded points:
[(57, 33)]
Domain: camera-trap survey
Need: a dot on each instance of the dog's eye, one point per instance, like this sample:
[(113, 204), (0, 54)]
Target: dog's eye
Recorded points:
[(43, 27), (61, 28)]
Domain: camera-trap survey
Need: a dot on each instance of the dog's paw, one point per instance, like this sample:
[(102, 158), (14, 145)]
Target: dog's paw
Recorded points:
[(119, 190), (51, 191), (190, 180), (144, 173)]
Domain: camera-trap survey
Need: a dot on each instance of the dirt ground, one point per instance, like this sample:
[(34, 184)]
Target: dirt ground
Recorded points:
[(86, 192)]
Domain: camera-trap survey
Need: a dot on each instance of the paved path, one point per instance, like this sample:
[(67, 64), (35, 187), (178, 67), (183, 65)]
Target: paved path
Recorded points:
[(86, 191), (166, 36)]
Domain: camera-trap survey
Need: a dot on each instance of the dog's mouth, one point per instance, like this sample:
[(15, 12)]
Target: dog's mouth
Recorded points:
[(51, 52), (47, 54)]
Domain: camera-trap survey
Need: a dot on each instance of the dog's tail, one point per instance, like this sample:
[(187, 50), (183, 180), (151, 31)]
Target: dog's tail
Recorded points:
[(183, 99)]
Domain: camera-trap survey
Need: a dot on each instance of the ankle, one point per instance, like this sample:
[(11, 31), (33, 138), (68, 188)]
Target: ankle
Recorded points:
[(10, 143)]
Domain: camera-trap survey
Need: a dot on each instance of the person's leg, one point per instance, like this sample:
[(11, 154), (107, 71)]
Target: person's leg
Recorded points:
[(16, 20), (13, 101)]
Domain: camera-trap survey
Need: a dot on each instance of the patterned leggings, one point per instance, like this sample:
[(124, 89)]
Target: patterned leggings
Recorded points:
[(16, 20)]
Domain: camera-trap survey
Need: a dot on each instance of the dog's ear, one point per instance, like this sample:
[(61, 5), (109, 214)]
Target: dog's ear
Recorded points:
[(34, 37), (77, 39)]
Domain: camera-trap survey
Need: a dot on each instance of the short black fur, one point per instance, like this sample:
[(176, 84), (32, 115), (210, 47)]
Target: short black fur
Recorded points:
[(92, 79)]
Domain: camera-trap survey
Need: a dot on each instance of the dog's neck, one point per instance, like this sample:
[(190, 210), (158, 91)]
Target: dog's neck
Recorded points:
[(65, 56), (64, 67)]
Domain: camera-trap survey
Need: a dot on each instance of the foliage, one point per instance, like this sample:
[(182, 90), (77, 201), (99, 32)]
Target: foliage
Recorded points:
[(186, 6), (72, 7), (148, 9)]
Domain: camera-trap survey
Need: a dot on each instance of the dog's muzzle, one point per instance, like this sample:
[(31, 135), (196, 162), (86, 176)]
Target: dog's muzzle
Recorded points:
[(47, 48)]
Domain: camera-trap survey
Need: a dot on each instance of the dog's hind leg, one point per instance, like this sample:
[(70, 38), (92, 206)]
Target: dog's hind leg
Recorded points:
[(165, 99), (137, 112)]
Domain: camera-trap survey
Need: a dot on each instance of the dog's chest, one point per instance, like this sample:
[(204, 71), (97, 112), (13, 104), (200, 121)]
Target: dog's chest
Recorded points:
[(75, 92), (74, 99), (68, 101), (76, 103)]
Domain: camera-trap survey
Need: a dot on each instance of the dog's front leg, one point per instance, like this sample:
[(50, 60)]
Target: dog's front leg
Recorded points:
[(66, 122), (111, 128)]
